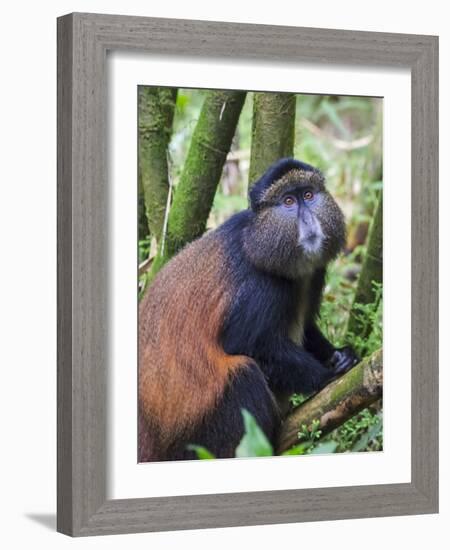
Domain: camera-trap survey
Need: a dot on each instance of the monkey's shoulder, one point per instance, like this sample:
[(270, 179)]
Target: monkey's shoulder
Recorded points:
[(218, 253), (197, 273)]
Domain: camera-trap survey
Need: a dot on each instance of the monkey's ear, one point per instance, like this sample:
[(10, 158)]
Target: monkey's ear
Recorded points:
[(254, 195), (274, 172)]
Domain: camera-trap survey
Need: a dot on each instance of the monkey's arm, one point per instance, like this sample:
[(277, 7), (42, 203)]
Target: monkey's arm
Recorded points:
[(339, 360), (287, 367), (290, 368), (256, 326)]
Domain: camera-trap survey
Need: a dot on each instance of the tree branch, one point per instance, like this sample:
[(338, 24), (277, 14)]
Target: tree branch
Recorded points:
[(201, 173), (156, 113), (371, 271), (273, 130), (337, 402)]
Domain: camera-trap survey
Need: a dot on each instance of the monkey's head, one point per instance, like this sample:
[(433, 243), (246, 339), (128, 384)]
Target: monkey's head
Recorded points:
[(296, 225)]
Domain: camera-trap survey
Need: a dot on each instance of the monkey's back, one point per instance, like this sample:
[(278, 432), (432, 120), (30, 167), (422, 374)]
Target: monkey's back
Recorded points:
[(183, 369)]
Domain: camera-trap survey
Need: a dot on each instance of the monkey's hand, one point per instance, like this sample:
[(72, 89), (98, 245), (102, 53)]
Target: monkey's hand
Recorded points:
[(342, 360)]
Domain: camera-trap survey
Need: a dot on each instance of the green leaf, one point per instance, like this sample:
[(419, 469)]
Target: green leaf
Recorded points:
[(367, 437), (297, 450), (297, 399), (254, 442), (202, 452), (324, 448)]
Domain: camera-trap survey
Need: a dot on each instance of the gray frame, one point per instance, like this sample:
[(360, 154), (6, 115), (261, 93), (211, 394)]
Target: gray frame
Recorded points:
[(83, 40)]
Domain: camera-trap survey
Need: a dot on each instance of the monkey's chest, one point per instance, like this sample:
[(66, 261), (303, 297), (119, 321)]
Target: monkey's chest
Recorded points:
[(299, 313)]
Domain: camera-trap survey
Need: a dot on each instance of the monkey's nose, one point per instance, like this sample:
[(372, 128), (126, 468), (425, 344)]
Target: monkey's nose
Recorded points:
[(310, 242)]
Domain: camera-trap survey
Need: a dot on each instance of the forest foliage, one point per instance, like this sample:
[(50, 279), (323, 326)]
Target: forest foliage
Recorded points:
[(340, 135)]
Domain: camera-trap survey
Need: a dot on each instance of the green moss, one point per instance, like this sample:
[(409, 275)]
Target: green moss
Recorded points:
[(273, 130), (201, 173), (371, 272), (156, 111)]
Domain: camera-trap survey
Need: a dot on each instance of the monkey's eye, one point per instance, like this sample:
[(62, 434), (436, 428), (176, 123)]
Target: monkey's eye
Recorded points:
[(308, 195), (289, 201)]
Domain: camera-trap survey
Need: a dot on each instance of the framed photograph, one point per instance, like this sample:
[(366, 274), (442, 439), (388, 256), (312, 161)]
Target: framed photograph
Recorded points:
[(247, 274)]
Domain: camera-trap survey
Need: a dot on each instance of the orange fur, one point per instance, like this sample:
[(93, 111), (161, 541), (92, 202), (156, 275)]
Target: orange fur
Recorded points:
[(182, 369)]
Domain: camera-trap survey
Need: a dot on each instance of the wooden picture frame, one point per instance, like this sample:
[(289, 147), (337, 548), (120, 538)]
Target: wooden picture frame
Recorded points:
[(83, 41)]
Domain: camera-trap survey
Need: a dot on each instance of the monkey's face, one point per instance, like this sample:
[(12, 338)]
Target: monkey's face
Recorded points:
[(298, 227), (300, 208)]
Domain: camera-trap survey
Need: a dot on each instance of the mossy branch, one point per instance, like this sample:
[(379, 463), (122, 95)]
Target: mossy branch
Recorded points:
[(337, 402), (156, 112), (273, 130), (371, 271), (201, 173)]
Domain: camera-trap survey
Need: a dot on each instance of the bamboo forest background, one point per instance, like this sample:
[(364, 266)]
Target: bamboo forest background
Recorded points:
[(200, 151)]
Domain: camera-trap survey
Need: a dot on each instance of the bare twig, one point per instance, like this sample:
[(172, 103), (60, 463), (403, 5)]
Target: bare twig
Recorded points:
[(338, 143), (145, 265), (168, 202)]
